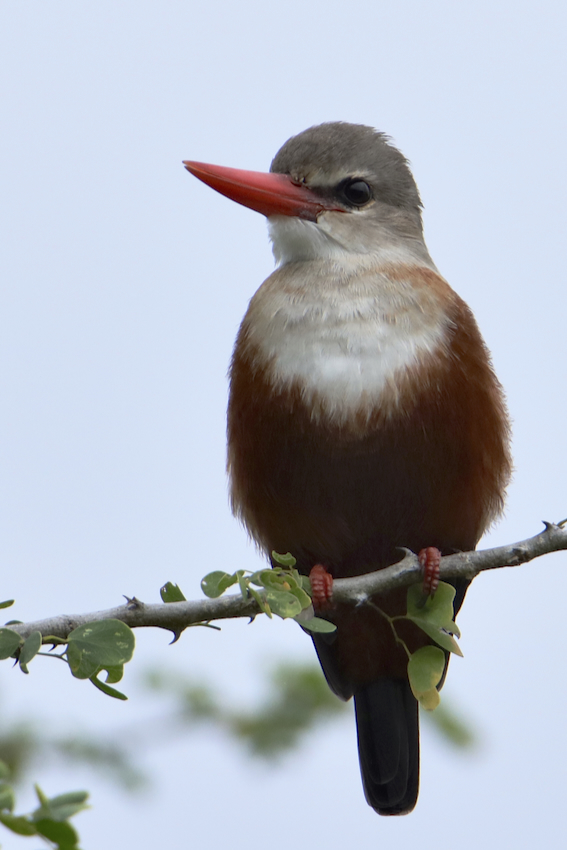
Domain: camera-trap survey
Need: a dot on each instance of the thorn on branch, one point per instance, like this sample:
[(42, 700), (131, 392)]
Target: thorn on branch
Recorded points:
[(133, 604), (519, 556), (362, 599), (408, 553), (554, 526)]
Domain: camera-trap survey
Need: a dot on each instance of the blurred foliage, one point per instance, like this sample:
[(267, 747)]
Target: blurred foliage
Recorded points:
[(49, 821), (452, 727), (300, 699), (26, 745), (296, 700)]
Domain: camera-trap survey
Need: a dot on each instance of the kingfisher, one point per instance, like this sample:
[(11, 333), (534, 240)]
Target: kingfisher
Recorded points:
[(364, 414)]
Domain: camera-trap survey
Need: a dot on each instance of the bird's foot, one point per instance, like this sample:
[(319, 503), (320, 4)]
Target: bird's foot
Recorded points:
[(429, 561), (321, 587)]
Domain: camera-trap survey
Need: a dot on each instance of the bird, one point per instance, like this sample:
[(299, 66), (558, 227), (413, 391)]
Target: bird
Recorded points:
[(364, 414)]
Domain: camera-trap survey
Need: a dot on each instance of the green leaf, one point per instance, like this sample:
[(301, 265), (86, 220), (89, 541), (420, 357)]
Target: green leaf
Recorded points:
[(53, 640), (83, 665), (243, 583), (43, 798), (430, 700), (70, 798), (317, 625), (435, 615), (437, 608), (5, 771), (18, 824), (283, 603), (274, 580), (303, 597), (214, 584), (9, 642), (286, 560), (114, 674), (171, 593), (106, 689), (261, 601), (425, 669), (7, 799), (7, 603), (288, 581), (98, 646), (60, 808), (254, 578), (61, 833), (29, 650)]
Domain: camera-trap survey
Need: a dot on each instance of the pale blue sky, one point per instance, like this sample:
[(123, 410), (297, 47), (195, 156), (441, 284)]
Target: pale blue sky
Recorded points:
[(124, 281)]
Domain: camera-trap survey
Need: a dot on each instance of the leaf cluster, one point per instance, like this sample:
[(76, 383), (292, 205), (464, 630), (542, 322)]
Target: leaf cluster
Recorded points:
[(433, 615), (297, 698), (103, 646), (279, 590)]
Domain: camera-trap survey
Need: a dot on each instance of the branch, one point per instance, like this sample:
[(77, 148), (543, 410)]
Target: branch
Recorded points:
[(177, 616)]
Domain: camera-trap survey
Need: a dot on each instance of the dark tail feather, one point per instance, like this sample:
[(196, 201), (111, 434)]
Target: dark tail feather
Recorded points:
[(388, 745)]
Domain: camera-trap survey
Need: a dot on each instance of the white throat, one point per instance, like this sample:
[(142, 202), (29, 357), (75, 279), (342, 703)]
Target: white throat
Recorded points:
[(297, 240)]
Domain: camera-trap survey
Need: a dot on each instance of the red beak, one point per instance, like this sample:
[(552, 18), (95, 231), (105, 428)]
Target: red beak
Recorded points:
[(269, 194)]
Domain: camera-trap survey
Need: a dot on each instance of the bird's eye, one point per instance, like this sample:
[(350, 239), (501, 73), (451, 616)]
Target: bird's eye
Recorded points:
[(356, 192)]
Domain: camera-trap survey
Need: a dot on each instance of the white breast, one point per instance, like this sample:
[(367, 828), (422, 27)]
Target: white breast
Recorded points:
[(343, 328)]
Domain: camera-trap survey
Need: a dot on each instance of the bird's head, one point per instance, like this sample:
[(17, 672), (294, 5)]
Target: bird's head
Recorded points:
[(332, 190)]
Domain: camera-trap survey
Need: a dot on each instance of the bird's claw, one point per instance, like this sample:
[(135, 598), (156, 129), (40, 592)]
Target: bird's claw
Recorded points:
[(429, 561), (321, 587)]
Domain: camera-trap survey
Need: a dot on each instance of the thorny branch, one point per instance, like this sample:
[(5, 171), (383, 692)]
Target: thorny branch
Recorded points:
[(177, 616)]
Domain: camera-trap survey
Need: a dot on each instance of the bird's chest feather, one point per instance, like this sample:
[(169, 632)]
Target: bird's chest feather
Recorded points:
[(344, 339)]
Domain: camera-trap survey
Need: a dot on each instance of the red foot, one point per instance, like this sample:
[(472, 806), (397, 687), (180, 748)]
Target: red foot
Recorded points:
[(321, 587), (429, 561)]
